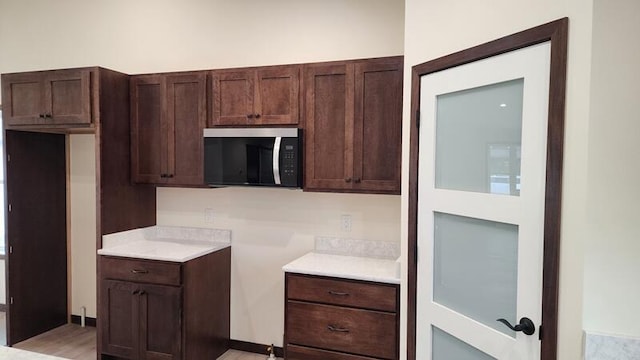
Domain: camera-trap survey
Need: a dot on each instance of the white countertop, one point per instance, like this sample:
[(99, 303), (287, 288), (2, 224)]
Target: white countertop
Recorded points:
[(164, 249), (348, 267), (17, 354), (177, 244)]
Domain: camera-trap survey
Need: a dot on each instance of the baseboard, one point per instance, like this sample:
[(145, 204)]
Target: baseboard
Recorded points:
[(254, 348), (88, 321)]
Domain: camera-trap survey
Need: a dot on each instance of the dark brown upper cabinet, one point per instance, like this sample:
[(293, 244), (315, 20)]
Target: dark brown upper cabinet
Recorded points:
[(168, 115), (48, 98), (353, 126), (255, 96)]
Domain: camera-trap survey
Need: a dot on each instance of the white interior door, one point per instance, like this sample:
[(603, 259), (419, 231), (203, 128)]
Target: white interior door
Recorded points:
[(481, 178)]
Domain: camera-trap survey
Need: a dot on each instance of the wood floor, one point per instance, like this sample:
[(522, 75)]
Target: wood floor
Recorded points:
[(75, 342)]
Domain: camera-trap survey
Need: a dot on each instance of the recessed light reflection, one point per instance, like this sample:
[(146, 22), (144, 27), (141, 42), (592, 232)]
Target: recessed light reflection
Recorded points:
[(503, 105)]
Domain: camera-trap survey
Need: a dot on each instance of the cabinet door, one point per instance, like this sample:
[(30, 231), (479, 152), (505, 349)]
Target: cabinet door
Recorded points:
[(160, 322), (329, 127), (186, 107), (22, 98), (232, 94), (378, 125), (277, 95), (119, 323), (148, 129), (67, 97)]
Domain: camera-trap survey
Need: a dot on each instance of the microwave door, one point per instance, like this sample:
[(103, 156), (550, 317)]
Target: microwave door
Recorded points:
[(276, 160)]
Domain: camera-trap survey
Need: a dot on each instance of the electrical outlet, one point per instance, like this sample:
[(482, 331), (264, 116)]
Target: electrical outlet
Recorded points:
[(345, 223), (208, 215)]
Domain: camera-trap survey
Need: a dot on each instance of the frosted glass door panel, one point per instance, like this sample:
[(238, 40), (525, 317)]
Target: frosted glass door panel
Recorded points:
[(476, 268), (478, 137), (447, 347)]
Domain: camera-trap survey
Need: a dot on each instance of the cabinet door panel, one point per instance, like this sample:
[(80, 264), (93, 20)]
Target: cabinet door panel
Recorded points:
[(378, 125), (232, 94), (68, 96), (160, 322), (148, 129), (119, 324), (329, 127), (22, 96), (277, 98), (186, 107)]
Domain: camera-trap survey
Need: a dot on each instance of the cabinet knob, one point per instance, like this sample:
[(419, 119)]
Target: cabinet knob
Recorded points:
[(250, 116), (348, 180), (357, 180), (169, 175), (257, 116), (42, 116)]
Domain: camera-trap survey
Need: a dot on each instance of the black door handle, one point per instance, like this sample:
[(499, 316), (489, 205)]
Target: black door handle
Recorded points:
[(525, 325)]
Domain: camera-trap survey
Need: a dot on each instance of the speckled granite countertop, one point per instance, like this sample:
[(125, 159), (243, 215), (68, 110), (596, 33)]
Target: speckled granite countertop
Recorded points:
[(177, 244), (350, 259)]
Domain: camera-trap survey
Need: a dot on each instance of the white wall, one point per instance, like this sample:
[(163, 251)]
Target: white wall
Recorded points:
[(164, 35), (612, 246), (82, 195), (434, 28)]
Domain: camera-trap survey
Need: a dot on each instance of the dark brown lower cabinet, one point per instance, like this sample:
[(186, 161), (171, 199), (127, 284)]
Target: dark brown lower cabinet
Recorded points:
[(163, 310), (340, 319)]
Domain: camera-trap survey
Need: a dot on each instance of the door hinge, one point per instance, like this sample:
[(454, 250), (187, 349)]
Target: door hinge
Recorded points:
[(10, 249), (9, 207), (418, 118), (10, 300), (540, 332), (8, 158)]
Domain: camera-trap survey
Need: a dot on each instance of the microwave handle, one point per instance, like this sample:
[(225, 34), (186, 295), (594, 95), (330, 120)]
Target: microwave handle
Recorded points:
[(276, 160)]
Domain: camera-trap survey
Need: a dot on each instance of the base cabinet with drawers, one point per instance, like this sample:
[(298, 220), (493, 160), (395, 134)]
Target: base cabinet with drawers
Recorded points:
[(339, 319), (164, 310)]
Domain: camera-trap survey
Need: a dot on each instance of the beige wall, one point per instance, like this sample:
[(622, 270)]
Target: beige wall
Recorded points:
[(612, 246), (270, 227), (434, 28), (82, 196)]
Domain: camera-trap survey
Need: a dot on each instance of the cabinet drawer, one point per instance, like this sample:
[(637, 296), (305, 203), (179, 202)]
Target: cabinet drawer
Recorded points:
[(357, 331), (295, 352), (141, 271), (342, 292)]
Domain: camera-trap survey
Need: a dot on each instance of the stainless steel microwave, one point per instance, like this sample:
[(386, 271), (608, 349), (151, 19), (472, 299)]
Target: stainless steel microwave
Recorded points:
[(253, 156)]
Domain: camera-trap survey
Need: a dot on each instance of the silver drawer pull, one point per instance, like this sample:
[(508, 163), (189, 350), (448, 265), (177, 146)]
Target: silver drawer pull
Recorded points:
[(337, 329), (336, 293), (138, 271)]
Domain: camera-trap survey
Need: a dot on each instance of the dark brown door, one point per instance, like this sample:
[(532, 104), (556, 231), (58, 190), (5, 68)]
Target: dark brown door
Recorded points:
[(120, 325), (378, 125), (277, 95), (36, 234), (232, 94), (160, 322), (148, 129), (186, 107), (329, 127), (67, 97), (23, 96)]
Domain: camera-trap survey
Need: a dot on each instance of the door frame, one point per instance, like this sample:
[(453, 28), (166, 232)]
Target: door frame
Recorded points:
[(556, 32)]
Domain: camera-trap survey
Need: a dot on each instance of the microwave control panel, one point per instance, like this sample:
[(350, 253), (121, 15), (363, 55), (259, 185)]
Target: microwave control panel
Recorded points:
[(289, 162)]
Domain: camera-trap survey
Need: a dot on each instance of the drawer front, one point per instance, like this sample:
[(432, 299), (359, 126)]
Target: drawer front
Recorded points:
[(145, 271), (342, 292), (357, 331), (295, 352)]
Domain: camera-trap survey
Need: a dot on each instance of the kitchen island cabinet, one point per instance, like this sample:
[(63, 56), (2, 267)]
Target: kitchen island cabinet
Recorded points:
[(353, 126), (165, 310)]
